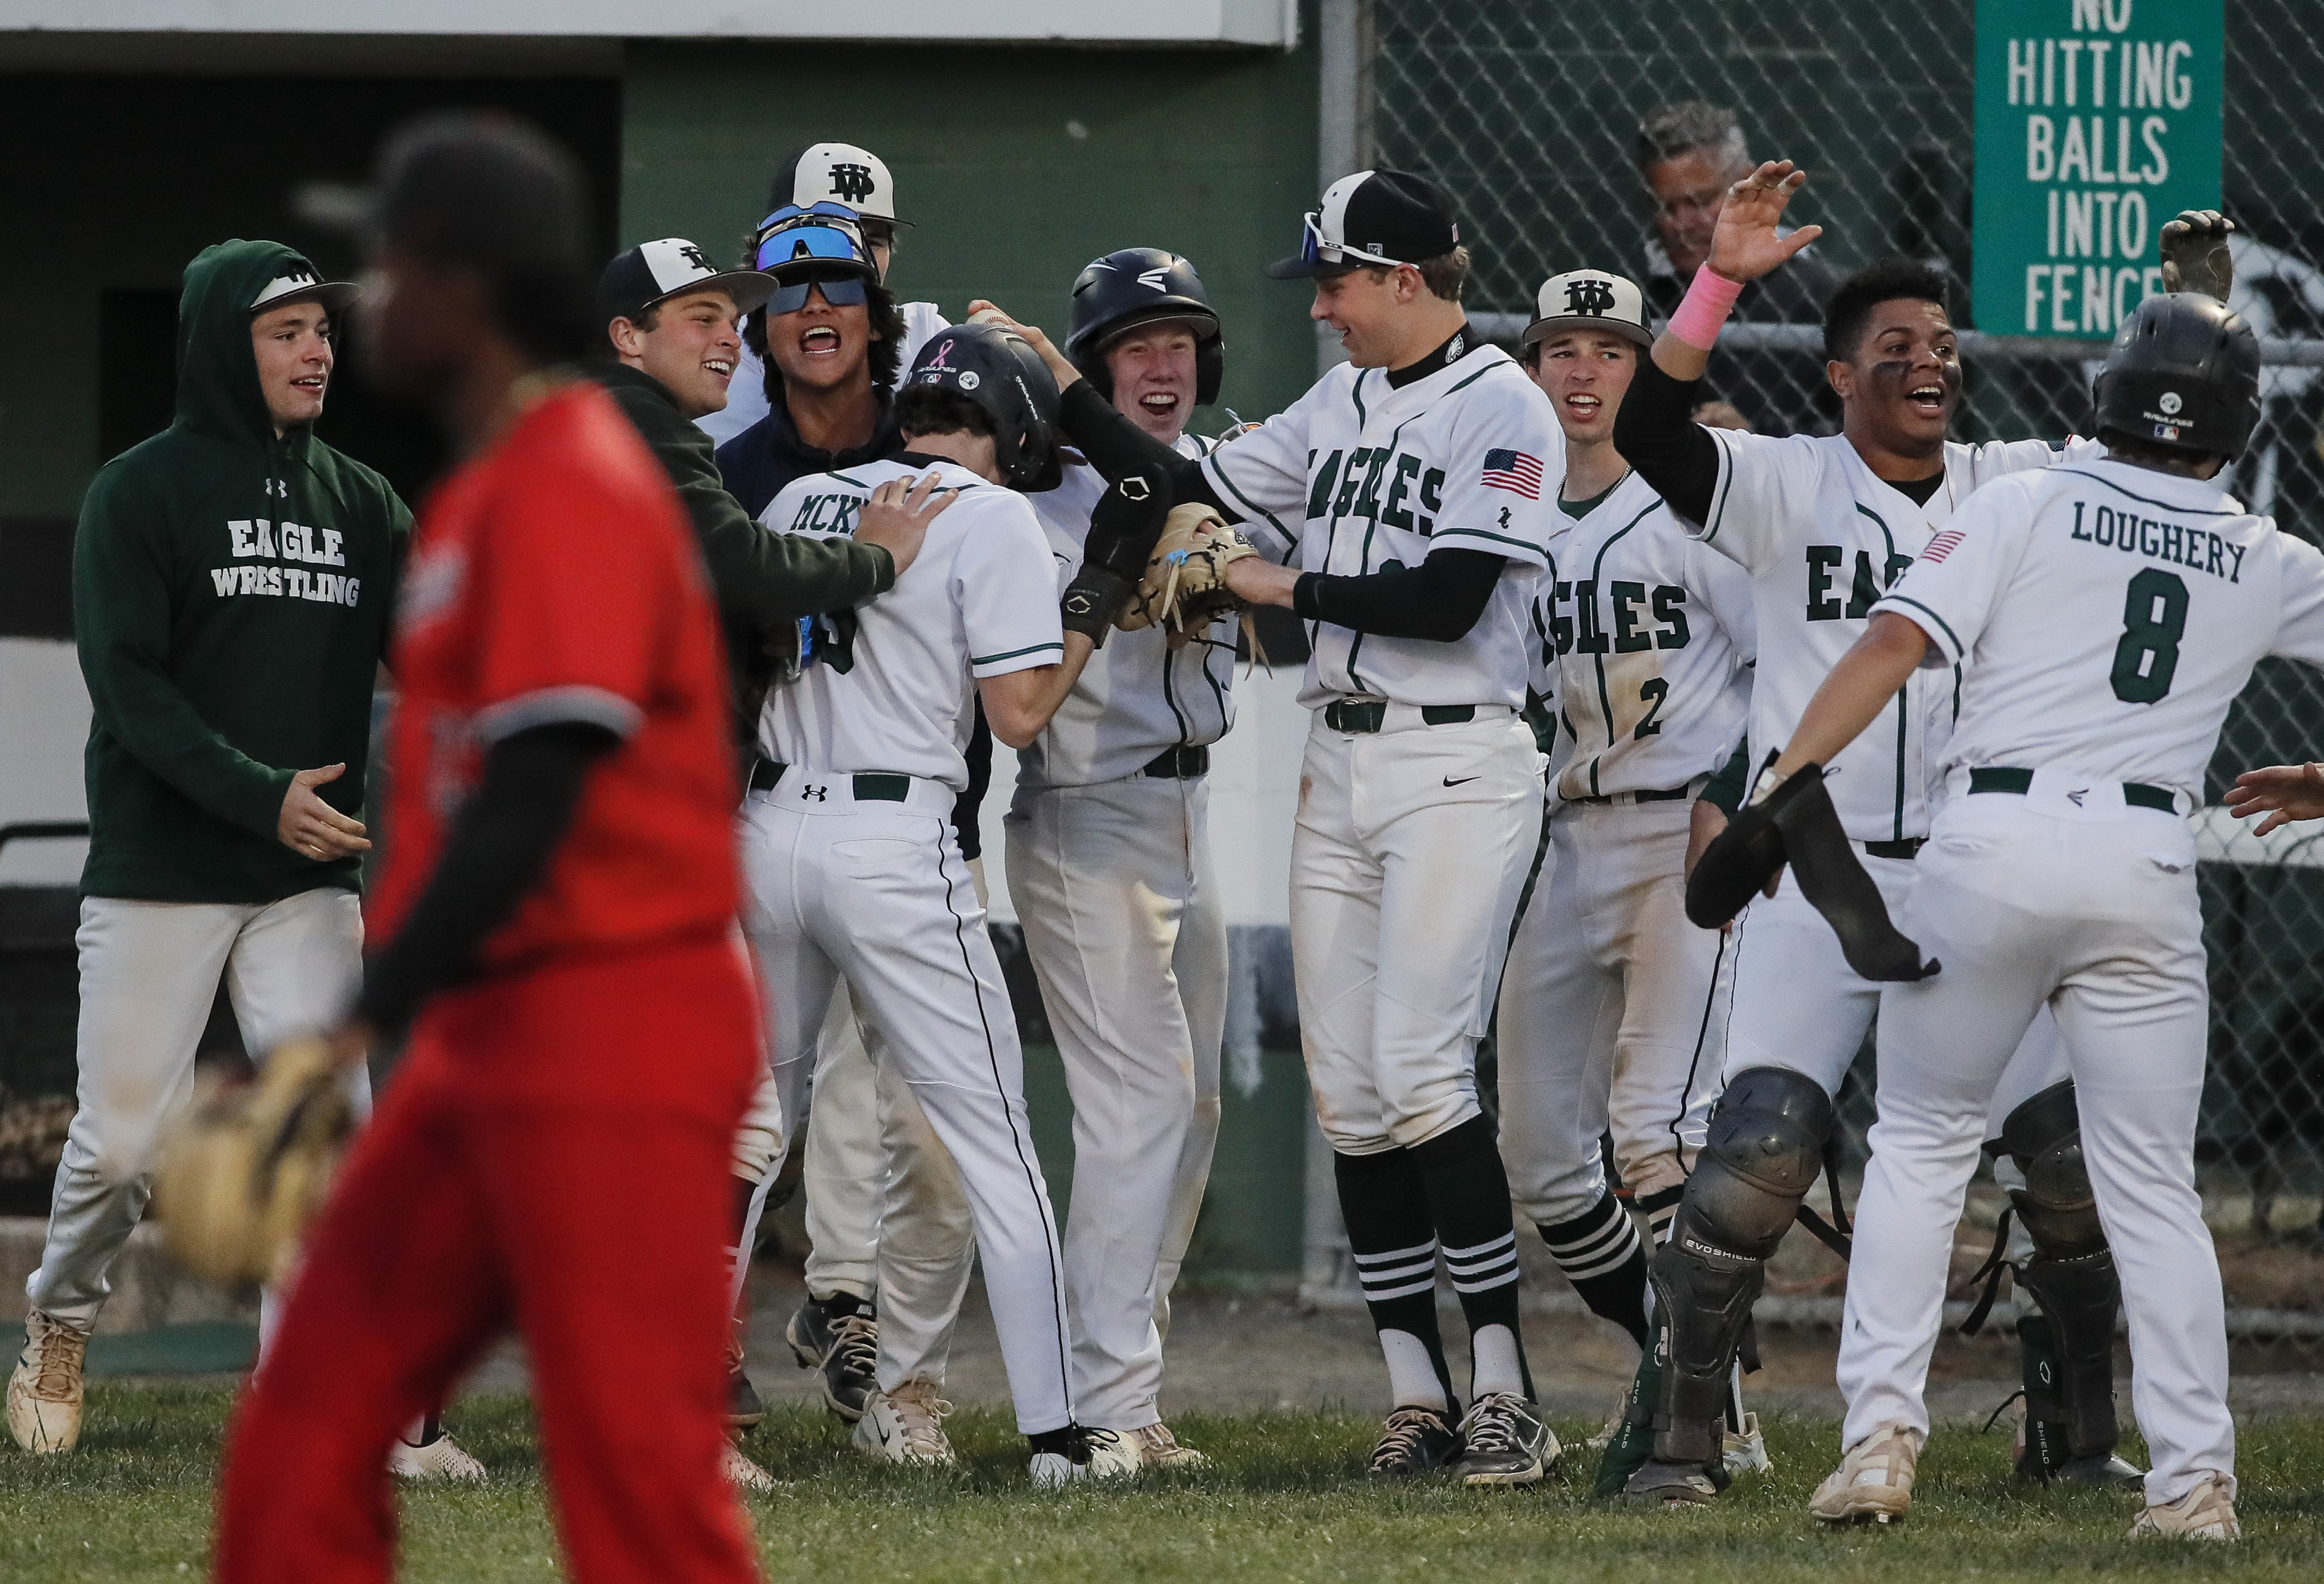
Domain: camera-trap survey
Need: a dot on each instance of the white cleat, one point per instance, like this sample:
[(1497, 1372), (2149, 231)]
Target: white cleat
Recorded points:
[(905, 1425), (743, 1474), (44, 1394), (1158, 1449), (2204, 1513), (1114, 1455), (1745, 1451), (1054, 1471), (1613, 1425), (1874, 1481), (441, 1460)]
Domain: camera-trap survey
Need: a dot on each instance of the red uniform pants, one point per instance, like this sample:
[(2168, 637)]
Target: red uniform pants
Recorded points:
[(552, 1155)]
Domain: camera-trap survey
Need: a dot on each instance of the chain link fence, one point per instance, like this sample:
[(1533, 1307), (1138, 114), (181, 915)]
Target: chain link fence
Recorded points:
[(1530, 113)]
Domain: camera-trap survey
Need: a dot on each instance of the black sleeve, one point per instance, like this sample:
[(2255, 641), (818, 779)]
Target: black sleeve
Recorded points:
[(1440, 599), (964, 822), (1656, 432), (1115, 446), (1727, 785), (500, 844)]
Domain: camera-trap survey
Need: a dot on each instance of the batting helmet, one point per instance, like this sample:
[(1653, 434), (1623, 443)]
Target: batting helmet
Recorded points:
[(1137, 286), (2183, 372), (997, 370)]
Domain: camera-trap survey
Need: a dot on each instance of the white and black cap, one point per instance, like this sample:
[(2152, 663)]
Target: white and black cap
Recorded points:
[(1373, 218), (837, 173), (1589, 299), (655, 271), (300, 283)]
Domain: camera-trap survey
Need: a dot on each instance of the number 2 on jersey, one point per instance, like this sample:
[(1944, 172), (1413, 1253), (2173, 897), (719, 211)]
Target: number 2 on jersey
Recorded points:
[(2153, 620), (1655, 691)]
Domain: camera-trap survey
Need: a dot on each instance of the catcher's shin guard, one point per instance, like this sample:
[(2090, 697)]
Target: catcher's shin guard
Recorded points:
[(1760, 1157), (2068, 1352)]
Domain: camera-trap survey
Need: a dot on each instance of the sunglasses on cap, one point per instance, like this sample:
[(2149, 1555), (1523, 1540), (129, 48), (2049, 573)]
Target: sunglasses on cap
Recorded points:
[(1315, 248)]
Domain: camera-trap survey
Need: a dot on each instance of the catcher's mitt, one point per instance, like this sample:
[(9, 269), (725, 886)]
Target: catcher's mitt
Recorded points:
[(247, 1169), (1185, 585)]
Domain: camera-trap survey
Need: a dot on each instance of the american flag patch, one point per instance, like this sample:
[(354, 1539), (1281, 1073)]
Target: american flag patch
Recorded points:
[(1942, 544), (1515, 472)]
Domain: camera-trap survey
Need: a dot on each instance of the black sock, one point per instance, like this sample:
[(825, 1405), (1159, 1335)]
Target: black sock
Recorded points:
[(1062, 1440), (743, 1191), (1468, 1200), (1385, 1205), (840, 1305), (1599, 1252), (1661, 1208)]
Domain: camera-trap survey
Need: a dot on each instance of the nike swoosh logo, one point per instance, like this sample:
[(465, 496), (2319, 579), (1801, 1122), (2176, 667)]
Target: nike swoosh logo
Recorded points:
[(1464, 781), (884, 1437)]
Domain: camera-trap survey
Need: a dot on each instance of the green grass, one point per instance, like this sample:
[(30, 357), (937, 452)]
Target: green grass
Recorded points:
[(1282, 1504)]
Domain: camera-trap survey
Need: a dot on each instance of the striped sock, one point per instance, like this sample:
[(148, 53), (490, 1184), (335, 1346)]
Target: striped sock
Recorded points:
[(1468, 1200), (1661, 1208), (1386, 1210), (1599, 1252)]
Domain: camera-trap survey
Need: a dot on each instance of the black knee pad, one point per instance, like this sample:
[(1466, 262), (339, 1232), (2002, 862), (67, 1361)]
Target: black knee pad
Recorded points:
[(1760, 1156), (2071, 1276), (2060, 1212)]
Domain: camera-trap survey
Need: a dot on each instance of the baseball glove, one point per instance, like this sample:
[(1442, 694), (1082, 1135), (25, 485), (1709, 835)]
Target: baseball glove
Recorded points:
[(242, 1176), (1185, 585)]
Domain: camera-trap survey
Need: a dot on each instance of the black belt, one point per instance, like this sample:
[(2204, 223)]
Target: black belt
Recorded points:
[(870, 786), (1179, 764), (2001, 778), (1908, 849), (1673, 795), (1342, 715)]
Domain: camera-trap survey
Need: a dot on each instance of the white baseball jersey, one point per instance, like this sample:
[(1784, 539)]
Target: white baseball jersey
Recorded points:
[(1654, 635), (980, 600), (1138, 695), (746, 393), (1359, 476), (2105, 616), (1823, 539)]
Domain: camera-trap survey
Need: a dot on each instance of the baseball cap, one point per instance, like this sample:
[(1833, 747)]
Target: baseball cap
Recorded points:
[(655, 271), (836, 172), (1589, 299), (299, 282), (1373, 218)]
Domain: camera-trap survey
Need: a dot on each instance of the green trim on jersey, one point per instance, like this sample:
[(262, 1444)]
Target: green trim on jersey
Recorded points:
[(1939, 621), (1903, 711), (1029, 649), (1598, 659), (2146, 500)]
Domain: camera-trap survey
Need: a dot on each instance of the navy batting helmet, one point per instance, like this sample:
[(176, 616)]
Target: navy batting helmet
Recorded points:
[(1133, 287), (996, 369), (2183, 372)]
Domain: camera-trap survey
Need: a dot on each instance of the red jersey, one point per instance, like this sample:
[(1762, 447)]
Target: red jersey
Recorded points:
[(554, 579)]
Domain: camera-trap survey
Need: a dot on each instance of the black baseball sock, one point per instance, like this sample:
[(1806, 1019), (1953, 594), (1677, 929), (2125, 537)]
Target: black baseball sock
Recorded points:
[(1599, 1252), (1661, 1208), (1385, 1205), (1468, 1200)]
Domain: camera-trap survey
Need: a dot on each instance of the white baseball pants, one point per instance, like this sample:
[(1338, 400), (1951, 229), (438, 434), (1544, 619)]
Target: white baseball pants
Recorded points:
[(2027, 901), (1609, 1017), (875, 891), (149, 973), (1113, 886), (1410, 849)]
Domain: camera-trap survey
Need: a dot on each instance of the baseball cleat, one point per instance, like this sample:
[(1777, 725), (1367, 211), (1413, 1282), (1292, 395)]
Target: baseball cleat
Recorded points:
[(1874, 1481), (1055, 1470), (44, 1394), (2204, 1513), (2101, 1468), (743, 1474), (1745, 1451), (905, 1425), (743, 1407), (1158, 1449), (1672, 1485), (1612, 1427), (844, 1346), (1414, 1441), (1632, 1439), (1503, 1442), (1114, 1455), (438, 1462)]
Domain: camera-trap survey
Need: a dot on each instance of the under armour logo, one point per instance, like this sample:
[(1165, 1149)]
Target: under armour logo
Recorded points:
[(817, 793), (1589, 297), (693, 255), (851, 184)]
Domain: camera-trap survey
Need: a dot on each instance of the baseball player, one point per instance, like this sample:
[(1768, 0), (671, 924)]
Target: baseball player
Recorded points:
[(1608, 1020), (2104, 615), (1109, 862), (853, 870), (557, 908), (1823, 526), (231, 581), (1407, 484)]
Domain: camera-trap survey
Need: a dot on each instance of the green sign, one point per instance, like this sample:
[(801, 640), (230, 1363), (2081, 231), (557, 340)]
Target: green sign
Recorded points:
[(2097, 121)]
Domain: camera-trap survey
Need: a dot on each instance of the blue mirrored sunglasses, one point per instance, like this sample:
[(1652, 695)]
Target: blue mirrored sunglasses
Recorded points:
[(800, 244)]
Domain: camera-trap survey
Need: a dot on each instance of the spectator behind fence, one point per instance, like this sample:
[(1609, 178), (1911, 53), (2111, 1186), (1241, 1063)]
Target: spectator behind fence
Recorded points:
[(1688, 154)]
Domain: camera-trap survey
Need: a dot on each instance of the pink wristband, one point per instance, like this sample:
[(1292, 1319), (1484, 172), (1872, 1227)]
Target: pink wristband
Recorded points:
[(1709, 299)]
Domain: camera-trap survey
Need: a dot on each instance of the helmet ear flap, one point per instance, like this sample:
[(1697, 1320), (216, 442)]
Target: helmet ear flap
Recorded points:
[(1210, 369)]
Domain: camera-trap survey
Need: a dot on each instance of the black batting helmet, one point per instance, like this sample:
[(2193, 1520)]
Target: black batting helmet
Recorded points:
[(996, 369), (2183, 372), (1130, 288)]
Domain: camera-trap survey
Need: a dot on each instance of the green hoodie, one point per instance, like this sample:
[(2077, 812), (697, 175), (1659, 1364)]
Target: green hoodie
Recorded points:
[(231, 597)]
